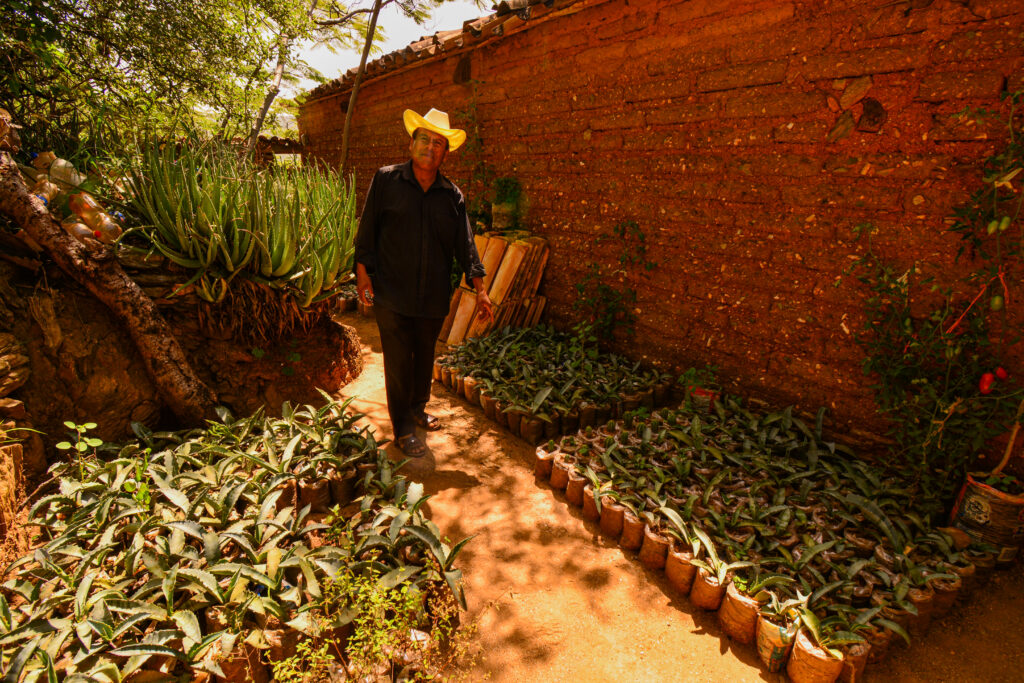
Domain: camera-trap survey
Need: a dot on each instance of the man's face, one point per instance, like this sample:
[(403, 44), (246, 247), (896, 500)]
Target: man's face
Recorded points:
[(428, 149)]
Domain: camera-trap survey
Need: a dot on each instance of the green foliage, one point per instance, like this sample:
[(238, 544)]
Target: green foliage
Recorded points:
[(800, 523), (184, 541), (215, 215), (542, 371), (473, 150), (607, 305), (309, 663), (933, 366), (507, 190)]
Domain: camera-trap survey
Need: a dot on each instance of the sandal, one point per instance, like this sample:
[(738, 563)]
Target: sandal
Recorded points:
[(428, 422), (411, 446)]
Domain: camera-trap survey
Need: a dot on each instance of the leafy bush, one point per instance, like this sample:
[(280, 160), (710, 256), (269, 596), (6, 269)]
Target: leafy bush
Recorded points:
[(186, 549)]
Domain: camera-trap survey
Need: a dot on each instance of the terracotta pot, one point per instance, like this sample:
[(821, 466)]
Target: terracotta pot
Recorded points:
[(588, 415), (513, 417), (984, 563), (611, 517), (632, 532), (602, 413), (738, 615), (774, 643), (343, 487), (854, 662), (553, 427), (532, 429), (880, 639), (560, 474), (316, 494), (678, 570), (590, 512), (574, 488), (489, 405), (707, 592), (571, 421), (471, 390), (808, 663), (946, 592), (922, 598), (500, 416), (446, 377), (436, 370), (542, 463), (967, 576), (654, 549), (457, 383)]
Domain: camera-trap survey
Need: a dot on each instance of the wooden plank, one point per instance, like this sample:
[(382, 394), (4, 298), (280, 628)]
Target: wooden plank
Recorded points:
[(453, 306), (491, 258), (463, 317), (507, 272)]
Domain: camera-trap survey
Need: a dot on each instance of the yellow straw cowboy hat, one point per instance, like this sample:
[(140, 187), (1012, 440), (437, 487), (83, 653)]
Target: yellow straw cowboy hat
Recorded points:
[(437, 122)]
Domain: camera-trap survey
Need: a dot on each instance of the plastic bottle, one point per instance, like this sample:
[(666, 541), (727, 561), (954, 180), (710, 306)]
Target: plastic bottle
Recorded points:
[(106, 229), (80, 231), (64, 173), (86, 208), (45, 190)]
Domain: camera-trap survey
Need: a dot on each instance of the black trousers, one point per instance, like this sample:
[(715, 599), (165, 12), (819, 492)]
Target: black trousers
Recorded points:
[(408, 346)]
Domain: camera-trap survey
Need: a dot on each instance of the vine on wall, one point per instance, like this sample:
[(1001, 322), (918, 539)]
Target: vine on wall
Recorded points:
[(941, 380)]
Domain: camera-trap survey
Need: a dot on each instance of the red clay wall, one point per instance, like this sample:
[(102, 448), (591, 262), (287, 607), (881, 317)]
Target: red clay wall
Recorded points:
[(729, 132)]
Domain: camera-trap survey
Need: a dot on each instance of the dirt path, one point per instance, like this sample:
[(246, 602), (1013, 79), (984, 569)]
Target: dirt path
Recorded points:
[(555, 601)]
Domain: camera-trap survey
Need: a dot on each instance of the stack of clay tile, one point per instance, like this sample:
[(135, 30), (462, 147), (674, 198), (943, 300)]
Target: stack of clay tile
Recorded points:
[(514, 268)]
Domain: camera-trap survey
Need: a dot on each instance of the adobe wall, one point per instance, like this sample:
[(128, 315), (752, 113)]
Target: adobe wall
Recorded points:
[(748, 139)]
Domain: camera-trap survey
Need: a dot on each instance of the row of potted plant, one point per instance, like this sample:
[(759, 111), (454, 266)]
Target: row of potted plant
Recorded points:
[(795, 540), (539, 382), (214, 551)]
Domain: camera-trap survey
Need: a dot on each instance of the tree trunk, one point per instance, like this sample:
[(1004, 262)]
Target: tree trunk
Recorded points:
[(275, 87), (100, 273), (355, 85)]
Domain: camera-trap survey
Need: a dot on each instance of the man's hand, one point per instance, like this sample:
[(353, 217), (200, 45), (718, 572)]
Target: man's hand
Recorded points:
[(484, 308), (364, 285)]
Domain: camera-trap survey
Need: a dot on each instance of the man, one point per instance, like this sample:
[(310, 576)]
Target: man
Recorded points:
[(414, 223)]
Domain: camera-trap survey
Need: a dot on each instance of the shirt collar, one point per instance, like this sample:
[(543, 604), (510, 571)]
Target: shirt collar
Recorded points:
[(439, 181)]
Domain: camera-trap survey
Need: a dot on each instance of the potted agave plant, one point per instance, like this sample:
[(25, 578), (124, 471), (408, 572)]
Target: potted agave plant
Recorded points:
[(710, 583), (777, 626), (679, 568), (744, 597), (816, 656)]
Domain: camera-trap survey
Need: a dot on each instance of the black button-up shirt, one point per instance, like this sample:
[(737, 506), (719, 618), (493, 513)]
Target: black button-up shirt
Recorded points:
[(407, 238)]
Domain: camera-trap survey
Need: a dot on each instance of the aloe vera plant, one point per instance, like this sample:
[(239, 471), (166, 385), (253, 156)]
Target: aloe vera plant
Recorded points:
[(211, 213)]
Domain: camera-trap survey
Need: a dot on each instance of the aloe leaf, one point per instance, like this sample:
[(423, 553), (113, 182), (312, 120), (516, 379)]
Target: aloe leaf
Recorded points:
[(19, 661), (188, 623), (398, 576)]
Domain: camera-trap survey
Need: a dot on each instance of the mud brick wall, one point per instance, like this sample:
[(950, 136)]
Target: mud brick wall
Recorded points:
[(748, 140)]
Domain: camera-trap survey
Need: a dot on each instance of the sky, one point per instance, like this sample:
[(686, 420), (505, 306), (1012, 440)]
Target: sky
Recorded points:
[(400, 32)]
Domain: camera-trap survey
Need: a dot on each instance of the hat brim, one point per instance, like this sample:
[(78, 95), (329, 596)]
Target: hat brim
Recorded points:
[(413, 121)]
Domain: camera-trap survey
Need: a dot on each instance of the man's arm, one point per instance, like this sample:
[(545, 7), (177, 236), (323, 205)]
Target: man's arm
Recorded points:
[(484, 309), (365, 243)]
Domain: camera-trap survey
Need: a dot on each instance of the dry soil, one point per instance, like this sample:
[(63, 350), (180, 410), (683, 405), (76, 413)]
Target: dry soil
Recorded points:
[(553, 600)]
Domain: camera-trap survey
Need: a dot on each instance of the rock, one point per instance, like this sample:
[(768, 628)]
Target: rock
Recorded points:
[(855, 91), (842, 128), (12, 409)]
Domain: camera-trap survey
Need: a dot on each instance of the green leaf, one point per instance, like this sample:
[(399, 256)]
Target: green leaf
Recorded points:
[(137, 649), (188, 623)]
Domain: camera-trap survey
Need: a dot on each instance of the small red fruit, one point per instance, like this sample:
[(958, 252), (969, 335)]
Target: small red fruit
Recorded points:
[(97, 234), (1001, 373), (985, 385)]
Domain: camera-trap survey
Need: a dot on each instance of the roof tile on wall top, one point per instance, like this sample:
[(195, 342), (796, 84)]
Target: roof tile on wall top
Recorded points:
[(472, 31)]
